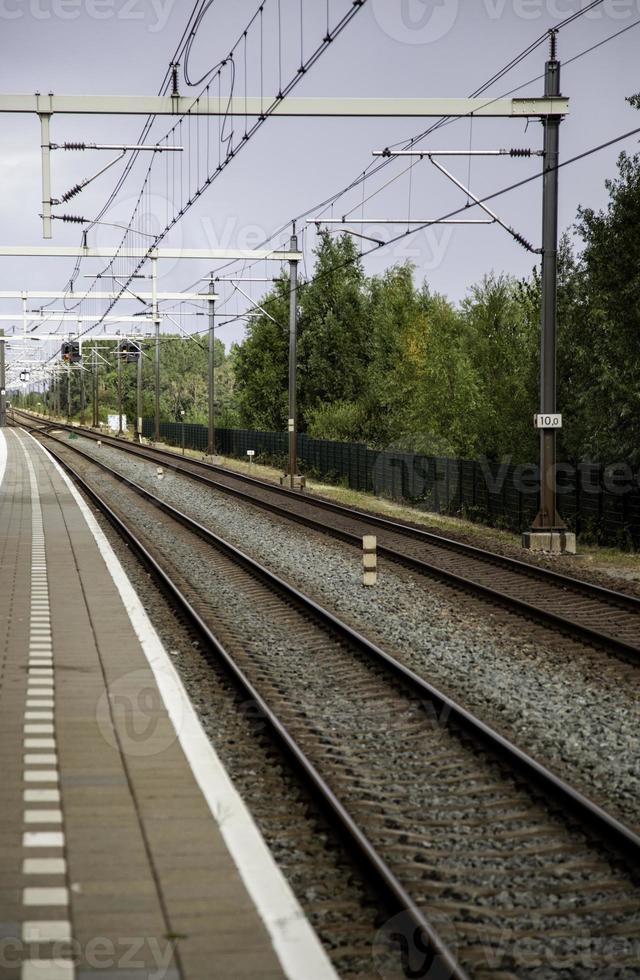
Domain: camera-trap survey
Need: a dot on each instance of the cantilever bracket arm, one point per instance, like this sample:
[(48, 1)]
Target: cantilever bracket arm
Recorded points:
[(511, 231)]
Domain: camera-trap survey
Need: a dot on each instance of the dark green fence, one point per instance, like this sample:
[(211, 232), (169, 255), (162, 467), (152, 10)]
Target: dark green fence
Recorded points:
[(600, 503)]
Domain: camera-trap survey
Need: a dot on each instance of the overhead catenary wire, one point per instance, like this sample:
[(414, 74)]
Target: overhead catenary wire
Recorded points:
[(570, 19), (231, 150), (370, 171), (490, 81)]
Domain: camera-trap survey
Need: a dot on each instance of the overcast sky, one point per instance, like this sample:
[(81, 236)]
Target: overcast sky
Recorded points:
[(411, 48)]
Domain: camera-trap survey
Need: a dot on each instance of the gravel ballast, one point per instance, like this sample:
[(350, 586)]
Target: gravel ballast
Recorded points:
[(578, 713), (439, 800)]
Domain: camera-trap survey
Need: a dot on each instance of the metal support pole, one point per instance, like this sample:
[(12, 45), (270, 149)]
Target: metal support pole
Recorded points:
[(68, 393), (293, 337), (46, 174), (211, 441), (547, 518), (139, 398), (3, 392), (119, 375), (96, 411), (83, 403), (156, 320)]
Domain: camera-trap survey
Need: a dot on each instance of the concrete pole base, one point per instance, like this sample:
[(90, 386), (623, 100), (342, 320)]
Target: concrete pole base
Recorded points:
[(553, 542), (293, 482)]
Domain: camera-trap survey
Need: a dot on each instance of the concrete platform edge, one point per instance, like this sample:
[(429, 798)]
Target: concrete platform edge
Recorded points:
[(294, 940)]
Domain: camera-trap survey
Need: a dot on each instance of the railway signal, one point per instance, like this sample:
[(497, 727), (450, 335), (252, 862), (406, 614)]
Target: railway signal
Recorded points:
[(70, 352), (129, 351)]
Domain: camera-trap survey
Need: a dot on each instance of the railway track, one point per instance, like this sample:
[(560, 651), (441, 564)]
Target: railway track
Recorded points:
[(579, 609), (493, 863)]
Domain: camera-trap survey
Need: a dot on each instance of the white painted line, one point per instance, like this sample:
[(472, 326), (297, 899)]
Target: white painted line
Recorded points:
[(40, 759), (296, 944), (3, 457), (41, 796), (32, 729), (40, 672), (45, 896), (39, 743), (40, 702), (44, 866), (46, 932), (48, 970), (44, 715), (40, 776), (42, 838), (42, 816), (44, 683)]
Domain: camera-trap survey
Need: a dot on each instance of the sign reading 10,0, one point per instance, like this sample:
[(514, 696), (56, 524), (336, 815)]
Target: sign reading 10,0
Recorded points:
[(548, 421)]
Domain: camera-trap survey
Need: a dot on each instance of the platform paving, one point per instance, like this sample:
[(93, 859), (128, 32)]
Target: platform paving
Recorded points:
[(111, 862)]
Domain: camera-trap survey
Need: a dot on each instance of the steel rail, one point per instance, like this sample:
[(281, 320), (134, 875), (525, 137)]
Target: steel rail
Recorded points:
[(375, 865), (536, 612), (396, 527), (625, 840)]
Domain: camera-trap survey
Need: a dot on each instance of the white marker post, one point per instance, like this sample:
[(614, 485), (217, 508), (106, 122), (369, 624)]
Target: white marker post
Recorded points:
[(251, 453), (369, 560)]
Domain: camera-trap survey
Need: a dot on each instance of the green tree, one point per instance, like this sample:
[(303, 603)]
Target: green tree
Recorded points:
[(607, 334), (333, 337), (261, 364), (501, 320)]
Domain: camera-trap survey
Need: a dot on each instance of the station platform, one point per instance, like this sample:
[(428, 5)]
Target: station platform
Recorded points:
[(113, 863)]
